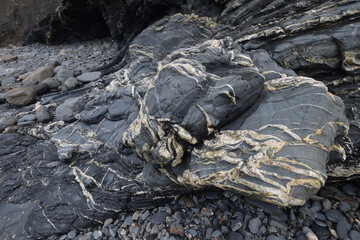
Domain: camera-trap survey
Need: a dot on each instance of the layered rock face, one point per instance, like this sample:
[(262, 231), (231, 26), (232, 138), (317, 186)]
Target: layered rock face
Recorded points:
[(18, 17), (246, 96)]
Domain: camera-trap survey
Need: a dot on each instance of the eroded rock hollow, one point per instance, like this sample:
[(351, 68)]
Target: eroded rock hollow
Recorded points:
[(257, 97)]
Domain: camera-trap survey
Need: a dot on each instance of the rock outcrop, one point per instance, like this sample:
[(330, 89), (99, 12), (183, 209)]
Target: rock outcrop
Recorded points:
[(257, 97), (18, 17)]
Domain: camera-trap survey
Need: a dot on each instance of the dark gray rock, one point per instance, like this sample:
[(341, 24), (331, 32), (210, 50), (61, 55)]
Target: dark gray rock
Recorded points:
[(71, 83), (254, 225), (354, 235), (335, 215), (67, 111), (342, 229), (42, 114), (7, 121)]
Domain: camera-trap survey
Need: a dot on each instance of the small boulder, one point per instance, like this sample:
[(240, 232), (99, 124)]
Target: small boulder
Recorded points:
[(64, 74), (38, 76), (10, 58), (42, 114), (7, 122), (21, 96), (71, 83), (67, 111), (52, 83), (89, 77)]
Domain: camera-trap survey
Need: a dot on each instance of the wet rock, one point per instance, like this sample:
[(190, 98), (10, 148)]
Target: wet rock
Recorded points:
[(38, 76), (21, 96), (89, 77), (342, 229), (67, 111)]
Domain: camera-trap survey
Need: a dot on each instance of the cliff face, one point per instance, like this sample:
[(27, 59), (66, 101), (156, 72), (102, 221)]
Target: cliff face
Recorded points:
[(17, 17)]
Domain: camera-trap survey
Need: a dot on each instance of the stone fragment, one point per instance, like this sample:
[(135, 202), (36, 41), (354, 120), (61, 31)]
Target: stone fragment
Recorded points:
[(9, 58), (254, 225), (52, 83), (2, 98), (8, 81), (67, 111), (89, 77), (21, 96), (354, 235), (71, 83), (42, 114), (63, 74), (38, 76), (7, 122), (176, 228), (28, 118)]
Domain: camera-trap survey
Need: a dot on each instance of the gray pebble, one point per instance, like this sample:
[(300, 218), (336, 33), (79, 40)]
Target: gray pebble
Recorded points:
[(354, 235), (208, 233), (254, 225), (326, 204), (145, 215), (193, 232), (97, 234), (350, 189), (159, 217), (112, 232), (89, 77), (234, 236), (342, 229), (71, 234), (273, 237), (344, 207), (335, 215), (224, 229), (128, 220), (216, 234), (320, 223)]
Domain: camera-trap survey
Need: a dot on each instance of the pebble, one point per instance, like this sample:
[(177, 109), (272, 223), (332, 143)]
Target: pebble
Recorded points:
[(89, 77), (208, 233), (67, 110), (207, 212), (7, 122), (159, 217), (342, 229), (350, 189), (108, 222), (42, 114), (71, 83), (97, 234), (176, 228), (216, 234), (326, 204), (71, 234), (309, 234), (145, 215), (254, 225), (344, 206), (354, 235), (38, 76), (234, 236)]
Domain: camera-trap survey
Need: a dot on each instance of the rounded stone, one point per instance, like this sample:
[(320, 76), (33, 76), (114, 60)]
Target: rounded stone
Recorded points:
[(21, 96), (89, 76)]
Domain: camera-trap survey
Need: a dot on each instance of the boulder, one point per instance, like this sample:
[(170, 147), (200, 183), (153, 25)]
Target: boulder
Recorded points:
[(67, 111), (38, 76), (21, 96)]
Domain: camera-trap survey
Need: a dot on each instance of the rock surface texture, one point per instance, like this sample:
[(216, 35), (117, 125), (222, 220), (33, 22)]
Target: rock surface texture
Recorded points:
[(260, 98)]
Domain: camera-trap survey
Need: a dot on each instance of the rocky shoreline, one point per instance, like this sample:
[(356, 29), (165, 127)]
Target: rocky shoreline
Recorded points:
[(331, 214), (152, 134)]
